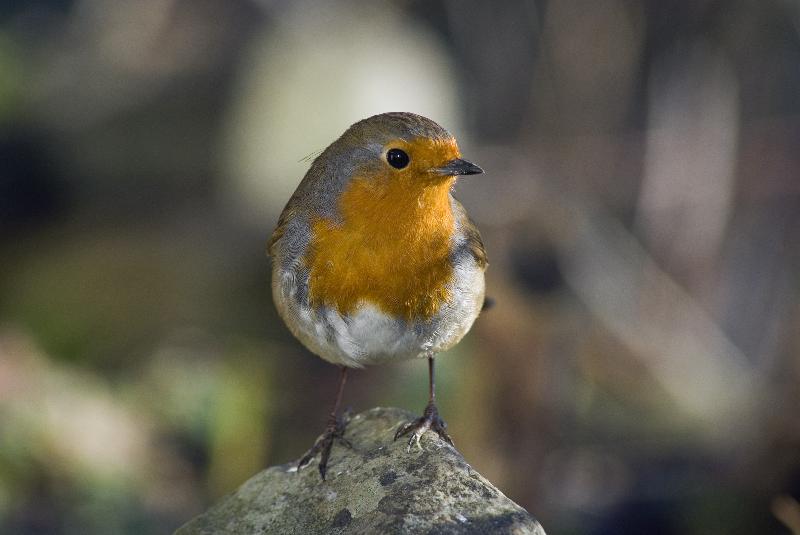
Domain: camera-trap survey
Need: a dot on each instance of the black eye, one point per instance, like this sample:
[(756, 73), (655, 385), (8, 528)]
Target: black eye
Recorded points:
[(397, 158)]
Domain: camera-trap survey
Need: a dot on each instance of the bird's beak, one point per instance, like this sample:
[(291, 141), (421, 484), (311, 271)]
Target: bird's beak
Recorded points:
[(459, 167)]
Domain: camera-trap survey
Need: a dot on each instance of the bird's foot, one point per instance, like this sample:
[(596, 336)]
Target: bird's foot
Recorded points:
[(429, 420), (324, 443)]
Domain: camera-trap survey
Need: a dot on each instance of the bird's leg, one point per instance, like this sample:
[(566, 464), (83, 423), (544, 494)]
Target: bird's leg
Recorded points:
[(333, 430), (429, 420)]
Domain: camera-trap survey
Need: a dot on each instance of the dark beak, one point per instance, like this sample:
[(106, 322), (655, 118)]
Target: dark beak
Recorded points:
[(459, 167)]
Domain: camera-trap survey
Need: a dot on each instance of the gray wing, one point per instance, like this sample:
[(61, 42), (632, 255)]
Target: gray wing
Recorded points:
[(471, 242)]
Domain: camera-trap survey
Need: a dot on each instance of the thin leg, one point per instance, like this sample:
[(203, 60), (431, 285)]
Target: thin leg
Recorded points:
[(430, 418), (339, 392), (333, 430), (431, 383)]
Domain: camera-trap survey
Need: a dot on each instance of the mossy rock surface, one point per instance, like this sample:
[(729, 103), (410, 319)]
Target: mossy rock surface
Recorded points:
[(375, 487)]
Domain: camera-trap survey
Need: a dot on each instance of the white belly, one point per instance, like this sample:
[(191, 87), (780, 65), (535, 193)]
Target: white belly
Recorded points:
[(370, 336)]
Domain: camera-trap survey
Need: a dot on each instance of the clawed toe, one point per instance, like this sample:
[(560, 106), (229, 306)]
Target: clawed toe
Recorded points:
[(429, 420), (324, 443)]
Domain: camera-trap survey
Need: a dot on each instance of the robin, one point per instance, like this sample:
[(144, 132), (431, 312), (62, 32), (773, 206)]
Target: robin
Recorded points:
[(374, 260)]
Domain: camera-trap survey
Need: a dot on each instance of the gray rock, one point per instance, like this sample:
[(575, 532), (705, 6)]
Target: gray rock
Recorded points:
[(375, 487)]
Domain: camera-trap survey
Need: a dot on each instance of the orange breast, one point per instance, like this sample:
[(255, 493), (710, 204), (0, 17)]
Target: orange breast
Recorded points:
[(391, 250)]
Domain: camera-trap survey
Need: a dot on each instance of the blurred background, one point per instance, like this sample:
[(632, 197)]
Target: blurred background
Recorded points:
[(641, 209)]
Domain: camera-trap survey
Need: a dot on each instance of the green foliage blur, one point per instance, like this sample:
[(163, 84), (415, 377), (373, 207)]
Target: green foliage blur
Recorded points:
[(641, 211)]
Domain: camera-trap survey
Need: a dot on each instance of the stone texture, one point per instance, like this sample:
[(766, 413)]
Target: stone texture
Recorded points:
[(375, 487)]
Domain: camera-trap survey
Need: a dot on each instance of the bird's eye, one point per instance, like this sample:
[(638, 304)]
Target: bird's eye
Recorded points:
[(397, 158)]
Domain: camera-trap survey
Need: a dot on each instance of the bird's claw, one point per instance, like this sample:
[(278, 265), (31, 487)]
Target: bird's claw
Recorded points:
[(429, 420), (324, 443)]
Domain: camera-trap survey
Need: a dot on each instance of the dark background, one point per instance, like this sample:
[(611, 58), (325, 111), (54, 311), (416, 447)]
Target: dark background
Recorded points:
[(641, 211)]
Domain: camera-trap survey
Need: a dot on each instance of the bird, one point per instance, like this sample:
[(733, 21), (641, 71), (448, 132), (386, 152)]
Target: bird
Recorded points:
[(374, 260)]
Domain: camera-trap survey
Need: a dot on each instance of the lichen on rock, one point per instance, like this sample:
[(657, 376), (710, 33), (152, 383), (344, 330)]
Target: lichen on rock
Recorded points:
[(377, 486)]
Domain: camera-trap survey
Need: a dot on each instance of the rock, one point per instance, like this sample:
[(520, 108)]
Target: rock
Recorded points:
[(375, 487)]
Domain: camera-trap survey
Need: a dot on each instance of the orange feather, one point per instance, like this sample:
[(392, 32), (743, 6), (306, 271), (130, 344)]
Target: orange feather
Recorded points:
[(392, 247)]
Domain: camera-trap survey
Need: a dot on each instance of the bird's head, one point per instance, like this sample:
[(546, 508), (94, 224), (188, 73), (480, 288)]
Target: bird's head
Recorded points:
[(394, 151)]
